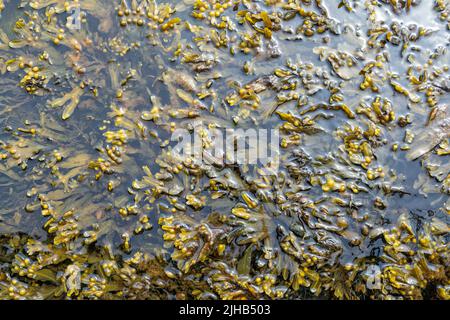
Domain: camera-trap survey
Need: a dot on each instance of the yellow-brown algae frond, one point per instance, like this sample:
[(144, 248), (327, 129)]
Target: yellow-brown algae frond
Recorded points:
[(70, 100)]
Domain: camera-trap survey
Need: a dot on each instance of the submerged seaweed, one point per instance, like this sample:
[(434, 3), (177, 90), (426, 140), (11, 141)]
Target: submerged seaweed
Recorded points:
[(95, 205)]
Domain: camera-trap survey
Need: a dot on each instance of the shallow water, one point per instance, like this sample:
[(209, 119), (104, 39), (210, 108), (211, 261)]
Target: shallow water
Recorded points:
[(82, 218)]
